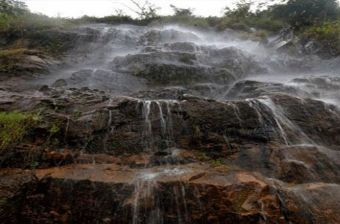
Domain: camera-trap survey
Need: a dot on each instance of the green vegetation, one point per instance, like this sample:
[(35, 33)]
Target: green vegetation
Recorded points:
[(297, 13), (301, 13), (217, 162), (327, 34), (202, 156), (181, 12), (14, 16), (21, 30), (14, 126), (315, 19), (9, 58), (54, 134), (10, 53)]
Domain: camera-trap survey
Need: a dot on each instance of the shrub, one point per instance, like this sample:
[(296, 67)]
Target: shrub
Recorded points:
[(300, 13), (181, 12), (10, 53), (14, 126), (327, 34)]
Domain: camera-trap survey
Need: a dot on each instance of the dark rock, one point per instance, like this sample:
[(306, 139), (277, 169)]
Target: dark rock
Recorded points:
[(222, 66), (60, 83), (66, 195)]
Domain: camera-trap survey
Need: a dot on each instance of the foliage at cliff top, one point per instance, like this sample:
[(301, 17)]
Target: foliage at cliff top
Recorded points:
[(302, 15), (297, 13)]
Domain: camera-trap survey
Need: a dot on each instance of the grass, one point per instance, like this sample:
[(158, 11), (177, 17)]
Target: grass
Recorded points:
[(10, 57), (30, 21), (54, 134), (9, 53), (14, 126), (217, 162), (35, 31), (328, 34)]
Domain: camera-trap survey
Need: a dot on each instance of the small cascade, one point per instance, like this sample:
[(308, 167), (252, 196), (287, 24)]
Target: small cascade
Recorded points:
[(282, 119), (108, 125), (109, 121), (160, 109), (148, 205), (257, 105), (236, 111), (262, 212), (144, 194), (253, 103), (283, 123), (226, 93), (147, 130), (67, 126)]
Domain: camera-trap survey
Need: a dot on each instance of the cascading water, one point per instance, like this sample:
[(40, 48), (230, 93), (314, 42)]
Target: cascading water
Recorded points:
[(282, 121), (163, 113), (160, 68), (145, 183), (148, 207)]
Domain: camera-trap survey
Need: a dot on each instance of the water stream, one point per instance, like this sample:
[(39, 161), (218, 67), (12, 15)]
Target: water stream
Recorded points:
[(152, 62)]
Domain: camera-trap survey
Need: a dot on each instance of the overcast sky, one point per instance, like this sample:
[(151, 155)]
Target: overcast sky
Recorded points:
[(77, 8)]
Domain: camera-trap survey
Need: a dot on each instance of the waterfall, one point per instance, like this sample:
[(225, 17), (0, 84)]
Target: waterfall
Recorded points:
[(160, 110), (282, 122), (246, 129), (147, 205), (146, 183)]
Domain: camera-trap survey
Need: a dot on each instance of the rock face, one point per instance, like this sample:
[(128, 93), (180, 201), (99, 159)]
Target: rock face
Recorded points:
[(24, 61), (185, 67), (177, 132)]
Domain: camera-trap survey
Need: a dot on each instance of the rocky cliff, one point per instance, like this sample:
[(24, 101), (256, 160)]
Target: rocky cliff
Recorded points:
[(171, 125)]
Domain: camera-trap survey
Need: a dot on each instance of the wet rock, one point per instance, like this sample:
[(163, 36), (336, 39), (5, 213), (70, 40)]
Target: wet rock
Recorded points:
[(60, 83), (104, 192), (182, 47), (25, 62), (167, 68), (31, 156), (291, 164), (175, 150), (253, 89), (44, 88), (168, 35), (12, 182), (90, 119), (171, 93)]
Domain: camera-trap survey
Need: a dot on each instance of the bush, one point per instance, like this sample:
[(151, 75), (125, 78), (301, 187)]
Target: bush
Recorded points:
[(9, 58), (5, 21), (243, 18), (184, 20), (12, 7), (300, 13), (14, 127), (327, 34), (10, 53)]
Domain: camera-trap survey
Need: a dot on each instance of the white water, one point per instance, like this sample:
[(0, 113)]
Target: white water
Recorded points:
[(97, 69), (145, 192), (162, 113)]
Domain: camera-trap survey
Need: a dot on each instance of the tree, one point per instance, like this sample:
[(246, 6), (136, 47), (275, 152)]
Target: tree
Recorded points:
[(300, 13), (242, 10), (12, 7), (181, 12), (145, 10)]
